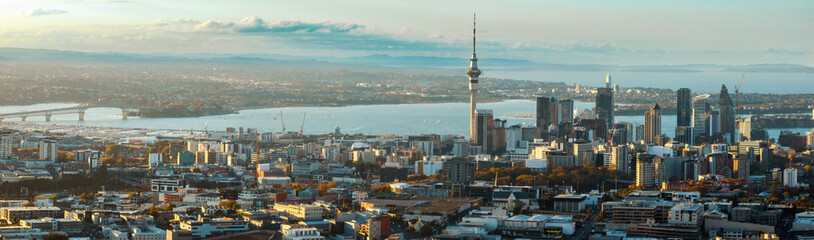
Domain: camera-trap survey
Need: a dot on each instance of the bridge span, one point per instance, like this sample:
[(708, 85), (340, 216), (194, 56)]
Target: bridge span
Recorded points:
[(79, 109)]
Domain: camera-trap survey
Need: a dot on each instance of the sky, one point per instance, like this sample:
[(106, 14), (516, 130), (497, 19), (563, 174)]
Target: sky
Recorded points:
[(563, 32)]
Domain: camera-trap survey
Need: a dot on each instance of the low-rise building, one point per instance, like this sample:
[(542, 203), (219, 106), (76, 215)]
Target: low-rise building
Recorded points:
[(569, 203), (301, 234), (305, 212), (69, 226), (208, 227), (13, 214)]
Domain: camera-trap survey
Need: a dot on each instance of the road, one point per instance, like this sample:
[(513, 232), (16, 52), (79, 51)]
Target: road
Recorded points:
[(585, 231)]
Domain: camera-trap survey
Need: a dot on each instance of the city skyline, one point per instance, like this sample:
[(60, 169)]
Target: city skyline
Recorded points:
[(585, 32)]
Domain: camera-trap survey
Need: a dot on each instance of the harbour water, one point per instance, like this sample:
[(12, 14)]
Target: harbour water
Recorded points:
[(441, 118)]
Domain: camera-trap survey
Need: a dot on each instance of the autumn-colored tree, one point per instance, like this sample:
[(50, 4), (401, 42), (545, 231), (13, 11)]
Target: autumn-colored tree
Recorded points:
[(382, 188), (231, 204), (324, 187)]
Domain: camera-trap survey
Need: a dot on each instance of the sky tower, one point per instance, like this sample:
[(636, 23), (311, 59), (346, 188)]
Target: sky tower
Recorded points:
[(473, 73)]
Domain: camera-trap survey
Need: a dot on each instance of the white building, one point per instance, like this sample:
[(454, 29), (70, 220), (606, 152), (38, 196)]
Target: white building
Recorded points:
[(48, 150), (19, 232), (790, 177), (211, 227), (150, 233), (607, 159), (365, 156), (166, 184), (542, 221), (664, 152), (424, 146), (92, 157), (303, 167), (536, 164), (584, 153), (156, 159), (5, 144), (460, 148), (305, 212), (302, 234), (685, 213), (273, 180), (428, 167)]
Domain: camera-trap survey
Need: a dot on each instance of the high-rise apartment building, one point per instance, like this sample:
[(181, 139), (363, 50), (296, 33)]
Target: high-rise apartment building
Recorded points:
[(5, 144), (727, 116), (652, 124), (548, 116), (604, 102), (700, 119), (649, 170), (567, 110), (48, 150), (620, 156), (683, 107), (459, 171), (485, 127)]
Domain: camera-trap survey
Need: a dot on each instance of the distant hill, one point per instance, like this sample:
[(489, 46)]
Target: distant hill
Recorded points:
[(384, 60)]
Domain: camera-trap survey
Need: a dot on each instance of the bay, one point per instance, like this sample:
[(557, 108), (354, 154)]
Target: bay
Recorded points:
[(398, 119)]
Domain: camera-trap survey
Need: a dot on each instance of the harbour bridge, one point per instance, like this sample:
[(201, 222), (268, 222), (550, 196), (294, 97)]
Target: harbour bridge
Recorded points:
[(78, 109)]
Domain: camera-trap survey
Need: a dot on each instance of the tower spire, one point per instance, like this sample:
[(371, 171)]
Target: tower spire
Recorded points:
[(474, 31)]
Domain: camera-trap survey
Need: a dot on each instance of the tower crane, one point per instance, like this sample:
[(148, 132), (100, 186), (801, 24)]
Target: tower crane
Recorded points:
[(737, 95), (302, 127), (282, 120)]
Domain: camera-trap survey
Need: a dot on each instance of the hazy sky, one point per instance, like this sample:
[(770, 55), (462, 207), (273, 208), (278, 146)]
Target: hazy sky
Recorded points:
[(599, 32)]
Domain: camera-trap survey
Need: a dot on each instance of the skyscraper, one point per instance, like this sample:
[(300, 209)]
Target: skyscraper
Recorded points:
[(604, 102), (548, 115), (649, 170), (473, 73), (459, 170), (5, 144), (621, 158), (683, 116), (543, 112), (48, 150), (652, 124), (745, 128), (727, 127), (683, 107), (714, 121), (485, 126), (567, 107), (700, 119)]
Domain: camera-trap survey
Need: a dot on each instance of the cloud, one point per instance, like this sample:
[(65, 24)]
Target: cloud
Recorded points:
[(177, 21), (565, 47), (214, 25), (783, 51), (43, 12), (256, 24)]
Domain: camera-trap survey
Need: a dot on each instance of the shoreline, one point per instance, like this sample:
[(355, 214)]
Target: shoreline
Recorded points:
[(224, 112)]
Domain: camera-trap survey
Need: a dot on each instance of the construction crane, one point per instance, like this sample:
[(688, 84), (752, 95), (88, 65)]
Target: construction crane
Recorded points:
[(282, 121), (737, 95), (302, 127)]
